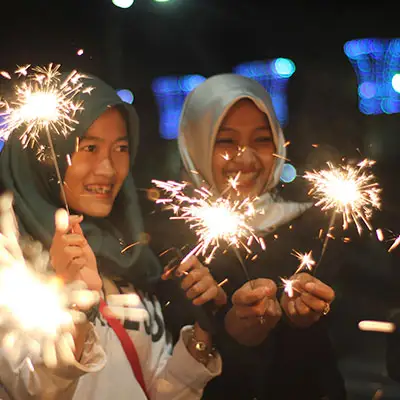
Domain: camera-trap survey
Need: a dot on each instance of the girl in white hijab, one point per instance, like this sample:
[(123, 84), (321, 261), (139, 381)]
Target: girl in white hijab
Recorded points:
[(229, 129)]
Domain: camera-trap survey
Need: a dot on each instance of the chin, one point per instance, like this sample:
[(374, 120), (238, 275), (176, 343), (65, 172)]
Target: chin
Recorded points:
[(97, 210)]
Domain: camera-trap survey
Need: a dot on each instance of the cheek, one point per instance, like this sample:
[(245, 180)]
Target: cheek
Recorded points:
[(218, 164)]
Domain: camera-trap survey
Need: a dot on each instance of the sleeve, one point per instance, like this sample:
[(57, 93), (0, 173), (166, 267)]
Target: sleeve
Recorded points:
[(180, 376), (25, 377)]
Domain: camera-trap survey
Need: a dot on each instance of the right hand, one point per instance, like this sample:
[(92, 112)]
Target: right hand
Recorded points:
[(70, 254), (257, 299)]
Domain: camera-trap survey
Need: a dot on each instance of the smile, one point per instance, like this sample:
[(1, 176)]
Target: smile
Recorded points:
[(104, 190)]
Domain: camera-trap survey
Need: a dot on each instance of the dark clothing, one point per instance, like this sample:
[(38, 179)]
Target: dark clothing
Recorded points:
[(299, 363)]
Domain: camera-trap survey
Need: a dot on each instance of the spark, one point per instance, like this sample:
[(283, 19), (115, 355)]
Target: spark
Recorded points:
[(379, 235), (42, 101), (396, 242), (349, 190), (306, 260), (281, 157), (288, 286), (213, 220), (35, 307)]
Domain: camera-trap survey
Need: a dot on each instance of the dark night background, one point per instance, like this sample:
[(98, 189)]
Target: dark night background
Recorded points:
[(130, 47)]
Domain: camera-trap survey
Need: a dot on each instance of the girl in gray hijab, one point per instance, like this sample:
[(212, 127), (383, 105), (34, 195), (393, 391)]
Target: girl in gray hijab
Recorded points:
[(229, 129)]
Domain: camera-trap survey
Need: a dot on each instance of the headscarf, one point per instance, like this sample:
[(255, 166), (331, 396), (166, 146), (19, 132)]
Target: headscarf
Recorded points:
[(37, 193), (203, 112)]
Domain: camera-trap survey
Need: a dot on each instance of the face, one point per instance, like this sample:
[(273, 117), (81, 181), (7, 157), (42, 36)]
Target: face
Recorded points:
[(99, 166), (244, 145)]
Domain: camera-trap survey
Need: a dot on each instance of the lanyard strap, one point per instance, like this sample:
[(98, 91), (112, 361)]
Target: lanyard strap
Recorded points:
[(126, 342)]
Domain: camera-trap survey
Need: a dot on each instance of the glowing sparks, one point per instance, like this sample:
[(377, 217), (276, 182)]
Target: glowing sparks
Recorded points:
[(306, 260), (214, 220), (396, 242), (42, 101), (34, 306), (349, 190), (288, 286)]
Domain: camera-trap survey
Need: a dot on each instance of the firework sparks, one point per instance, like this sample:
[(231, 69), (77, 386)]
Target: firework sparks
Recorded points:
[(288, 286), (396, 242), (34, 306), (349, 190), (42, 101), (214, 220), (306, 260)]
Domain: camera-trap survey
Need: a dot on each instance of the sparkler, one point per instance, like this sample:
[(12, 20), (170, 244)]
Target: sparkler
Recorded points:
[(43, 102), (348, 190), (35, 308), (213, 220)]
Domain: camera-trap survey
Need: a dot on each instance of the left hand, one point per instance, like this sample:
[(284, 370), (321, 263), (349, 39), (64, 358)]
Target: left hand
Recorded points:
[(311, 299), (199, 284)]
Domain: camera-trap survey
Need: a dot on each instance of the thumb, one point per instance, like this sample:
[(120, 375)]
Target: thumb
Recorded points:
[(61, 221)]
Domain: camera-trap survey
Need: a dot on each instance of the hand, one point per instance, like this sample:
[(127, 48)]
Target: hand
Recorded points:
[(198, 283), (311, 299), (257, 299), (70, 254)]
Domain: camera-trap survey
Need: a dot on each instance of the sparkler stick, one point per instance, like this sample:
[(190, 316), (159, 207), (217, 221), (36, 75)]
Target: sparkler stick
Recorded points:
[(43, 102)]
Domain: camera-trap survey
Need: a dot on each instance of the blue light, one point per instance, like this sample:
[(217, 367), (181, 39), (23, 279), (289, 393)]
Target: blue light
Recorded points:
[(273, 75), (376, 63), (125, 95), (170, 93), (396, 83), (189, 82), (289, 173), (284, 67), (367, 90)]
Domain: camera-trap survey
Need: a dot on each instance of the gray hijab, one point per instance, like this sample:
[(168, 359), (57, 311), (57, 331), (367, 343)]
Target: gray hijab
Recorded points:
[(203, 112)]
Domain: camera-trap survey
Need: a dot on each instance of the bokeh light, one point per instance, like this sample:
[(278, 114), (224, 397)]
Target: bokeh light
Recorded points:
[(376, 63), (289, 173), (123, 3), (273, 75), (125, 95)]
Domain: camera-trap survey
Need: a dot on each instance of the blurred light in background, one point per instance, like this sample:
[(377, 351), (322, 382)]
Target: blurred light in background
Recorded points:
[(170, 93), (289, 173), (376, 63), (273, 75), (123, 3), (125, 95), (2, 126), (161, 1)]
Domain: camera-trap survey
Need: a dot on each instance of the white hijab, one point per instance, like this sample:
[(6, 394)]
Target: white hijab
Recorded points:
[(203, 112)]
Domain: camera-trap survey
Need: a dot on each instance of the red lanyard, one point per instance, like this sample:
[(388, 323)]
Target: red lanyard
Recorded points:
[(126, 342)]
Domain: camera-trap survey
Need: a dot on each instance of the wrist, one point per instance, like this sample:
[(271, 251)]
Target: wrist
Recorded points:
[(200, 345)]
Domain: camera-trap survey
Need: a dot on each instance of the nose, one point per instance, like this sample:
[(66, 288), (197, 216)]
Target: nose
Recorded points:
[(105, 168), (246, 156)]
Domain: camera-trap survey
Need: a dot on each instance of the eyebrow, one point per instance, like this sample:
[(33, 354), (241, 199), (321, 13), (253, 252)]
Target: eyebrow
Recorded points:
[(97, 139), (258, 128)]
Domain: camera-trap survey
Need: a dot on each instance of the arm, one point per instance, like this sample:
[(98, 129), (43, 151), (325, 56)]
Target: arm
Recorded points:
[(254, 313)]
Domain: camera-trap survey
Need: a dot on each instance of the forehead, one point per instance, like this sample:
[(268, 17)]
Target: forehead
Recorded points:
[(109, 124), (244, 113)]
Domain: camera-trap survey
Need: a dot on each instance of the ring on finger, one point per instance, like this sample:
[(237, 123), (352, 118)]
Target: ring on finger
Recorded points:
[(326, 309)]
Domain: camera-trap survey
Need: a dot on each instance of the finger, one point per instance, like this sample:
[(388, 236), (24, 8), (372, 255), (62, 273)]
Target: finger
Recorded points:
[(49, 354), (301, 308), (319, 289), (246, 296), (314, 303), (291, 308), (191, 262), (73, 239), (71, 252), (75, 266), (268, 284), (200, 287), (194, 276), (208, 295), (75, 225), (256, 310)]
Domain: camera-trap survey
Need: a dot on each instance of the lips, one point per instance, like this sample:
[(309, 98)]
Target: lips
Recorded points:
[(245, 178), (99, 189)]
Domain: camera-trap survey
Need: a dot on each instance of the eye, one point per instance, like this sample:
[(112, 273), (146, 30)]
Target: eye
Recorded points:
[(263, 139), (224, 141), (90, 148), (122, 148)]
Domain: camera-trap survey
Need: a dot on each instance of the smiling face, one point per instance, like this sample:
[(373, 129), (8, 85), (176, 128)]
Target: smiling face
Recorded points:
[(99, 166), (244, 144)]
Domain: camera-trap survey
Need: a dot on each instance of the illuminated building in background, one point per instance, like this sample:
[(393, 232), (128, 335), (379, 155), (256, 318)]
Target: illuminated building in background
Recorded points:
[(377, 66), (273, 75), (170, 93)]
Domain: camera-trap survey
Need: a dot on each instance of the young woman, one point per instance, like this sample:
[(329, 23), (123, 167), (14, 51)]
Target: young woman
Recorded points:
[(113, 361)]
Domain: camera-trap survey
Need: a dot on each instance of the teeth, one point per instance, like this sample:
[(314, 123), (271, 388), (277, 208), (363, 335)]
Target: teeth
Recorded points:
[(244, 176), (103, 189)]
